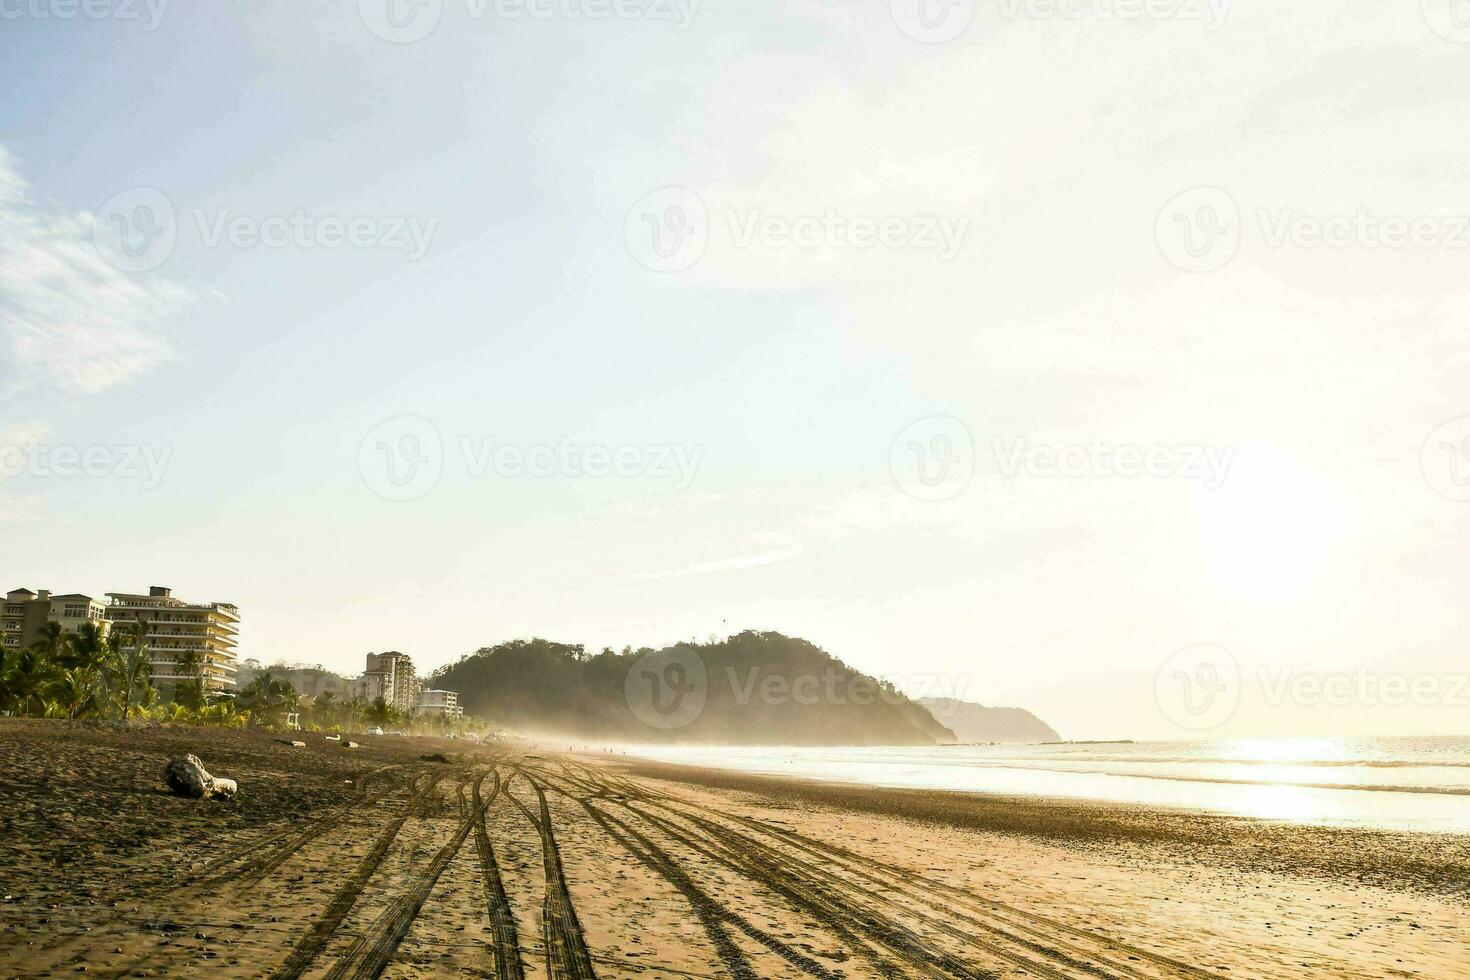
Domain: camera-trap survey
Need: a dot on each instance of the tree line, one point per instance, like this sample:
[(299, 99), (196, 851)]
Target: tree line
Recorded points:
[(108, 675)]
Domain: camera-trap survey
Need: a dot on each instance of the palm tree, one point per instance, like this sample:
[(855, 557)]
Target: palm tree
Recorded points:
[(27, 680), (324, 709), (88, 646), (265, 696), (380, 713), (127, 666), (190, 692), (54, 645), (74, 690), (356, 708), (5, 692)]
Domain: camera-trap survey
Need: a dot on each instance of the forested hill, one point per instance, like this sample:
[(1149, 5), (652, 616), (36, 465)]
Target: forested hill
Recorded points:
[(754, 688)]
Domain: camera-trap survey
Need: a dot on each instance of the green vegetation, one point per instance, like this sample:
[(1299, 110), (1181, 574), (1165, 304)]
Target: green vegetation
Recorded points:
[(89, 675), (753, 688)]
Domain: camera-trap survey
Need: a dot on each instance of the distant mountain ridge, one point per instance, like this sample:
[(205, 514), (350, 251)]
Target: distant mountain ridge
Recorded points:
[(754, 688), (976, 723)]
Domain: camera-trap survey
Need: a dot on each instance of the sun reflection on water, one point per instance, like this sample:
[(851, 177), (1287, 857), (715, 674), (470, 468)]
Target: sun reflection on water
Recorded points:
[(1292, 803), (1288, 750)]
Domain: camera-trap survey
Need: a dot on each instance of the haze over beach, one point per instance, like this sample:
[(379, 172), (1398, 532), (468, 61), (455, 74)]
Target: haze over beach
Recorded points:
[(910, 488)]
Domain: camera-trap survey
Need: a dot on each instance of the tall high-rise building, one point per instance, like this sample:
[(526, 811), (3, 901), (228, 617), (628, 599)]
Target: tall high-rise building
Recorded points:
[(26, 613), (173, 629), (399, 685)]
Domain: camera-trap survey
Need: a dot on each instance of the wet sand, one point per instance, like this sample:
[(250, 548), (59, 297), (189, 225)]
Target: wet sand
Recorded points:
[(522, 862)]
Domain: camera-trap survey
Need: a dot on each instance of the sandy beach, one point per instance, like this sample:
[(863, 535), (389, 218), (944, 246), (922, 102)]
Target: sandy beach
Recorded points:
[(336, 862)]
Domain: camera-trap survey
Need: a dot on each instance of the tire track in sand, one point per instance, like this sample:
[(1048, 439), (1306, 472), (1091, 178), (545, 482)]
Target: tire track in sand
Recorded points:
[(566, 947), (368, 956), (309, 946)]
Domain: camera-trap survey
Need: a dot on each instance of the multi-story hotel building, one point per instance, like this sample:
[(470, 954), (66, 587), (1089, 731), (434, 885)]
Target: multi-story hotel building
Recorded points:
[(26, 613), (439, 703), (171, 627)]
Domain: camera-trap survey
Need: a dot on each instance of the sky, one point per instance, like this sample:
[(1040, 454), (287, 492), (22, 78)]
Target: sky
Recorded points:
[(1104, 359)]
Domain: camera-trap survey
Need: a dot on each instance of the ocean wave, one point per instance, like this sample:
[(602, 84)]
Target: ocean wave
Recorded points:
[(1196, 760), (1220, 780)]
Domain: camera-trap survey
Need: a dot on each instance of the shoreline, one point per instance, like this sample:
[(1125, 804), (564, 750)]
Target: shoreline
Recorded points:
[(1427, 862)]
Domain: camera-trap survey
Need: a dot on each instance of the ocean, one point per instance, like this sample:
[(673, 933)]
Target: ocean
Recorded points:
[(1404, 784)]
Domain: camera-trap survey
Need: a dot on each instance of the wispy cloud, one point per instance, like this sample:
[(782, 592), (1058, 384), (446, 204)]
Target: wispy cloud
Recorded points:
[(735, 563), (69, 320)]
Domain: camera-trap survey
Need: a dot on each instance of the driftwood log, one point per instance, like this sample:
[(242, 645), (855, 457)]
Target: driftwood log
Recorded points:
[(188, 777)]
